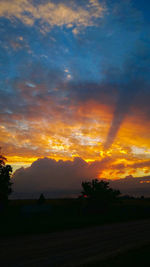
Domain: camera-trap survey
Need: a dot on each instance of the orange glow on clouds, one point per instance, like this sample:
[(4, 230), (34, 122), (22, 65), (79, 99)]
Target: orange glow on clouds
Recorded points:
[(82, 136)]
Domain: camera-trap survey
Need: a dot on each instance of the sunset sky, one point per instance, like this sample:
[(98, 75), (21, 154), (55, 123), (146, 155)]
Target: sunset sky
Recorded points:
[(75, 84)]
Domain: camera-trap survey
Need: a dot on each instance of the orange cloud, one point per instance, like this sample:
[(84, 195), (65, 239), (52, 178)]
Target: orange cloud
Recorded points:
[(46, 129)]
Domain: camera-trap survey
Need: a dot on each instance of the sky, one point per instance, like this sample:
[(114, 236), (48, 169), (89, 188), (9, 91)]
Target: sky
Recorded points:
[(75, 86)]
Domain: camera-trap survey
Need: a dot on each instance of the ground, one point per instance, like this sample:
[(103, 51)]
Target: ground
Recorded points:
[(79, 247)]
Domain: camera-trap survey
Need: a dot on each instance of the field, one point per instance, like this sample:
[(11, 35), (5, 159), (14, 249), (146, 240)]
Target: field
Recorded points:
[(26, 217)]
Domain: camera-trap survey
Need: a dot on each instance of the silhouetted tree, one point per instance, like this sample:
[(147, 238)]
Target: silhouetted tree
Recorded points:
[(41, 199), (5, 180), (98, 193)]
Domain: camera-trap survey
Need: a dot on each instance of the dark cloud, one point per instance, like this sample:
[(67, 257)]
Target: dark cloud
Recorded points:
[(134, 186), (48, 174)]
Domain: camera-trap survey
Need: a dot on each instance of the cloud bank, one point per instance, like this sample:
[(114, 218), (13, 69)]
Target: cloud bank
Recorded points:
[(49, 175), (133, 186)]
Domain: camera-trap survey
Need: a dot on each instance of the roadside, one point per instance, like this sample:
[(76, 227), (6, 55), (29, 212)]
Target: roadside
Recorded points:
[(80, 246), (133, 257)]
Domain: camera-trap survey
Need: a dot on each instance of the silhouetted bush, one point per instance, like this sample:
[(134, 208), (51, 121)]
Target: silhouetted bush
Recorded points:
[(41, 200)]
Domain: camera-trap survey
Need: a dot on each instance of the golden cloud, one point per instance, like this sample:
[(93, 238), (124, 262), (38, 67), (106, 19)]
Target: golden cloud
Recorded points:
[(53, 132), (82, 136), (52, 14)]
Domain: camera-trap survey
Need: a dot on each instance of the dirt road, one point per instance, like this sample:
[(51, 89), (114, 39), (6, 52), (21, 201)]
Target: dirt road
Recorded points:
[(70, 248)]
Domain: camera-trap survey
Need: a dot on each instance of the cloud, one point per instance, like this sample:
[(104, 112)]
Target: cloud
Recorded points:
[(49, 175), (52, 14), (43, 113), (62, 126), (133, 164), (133, 186)]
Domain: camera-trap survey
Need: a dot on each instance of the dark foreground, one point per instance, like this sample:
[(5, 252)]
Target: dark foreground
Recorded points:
[(23, 217), (133, 257), (74, 247)]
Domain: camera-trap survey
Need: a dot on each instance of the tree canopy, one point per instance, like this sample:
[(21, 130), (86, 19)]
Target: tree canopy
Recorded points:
[(99, 191), (5, 180)]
